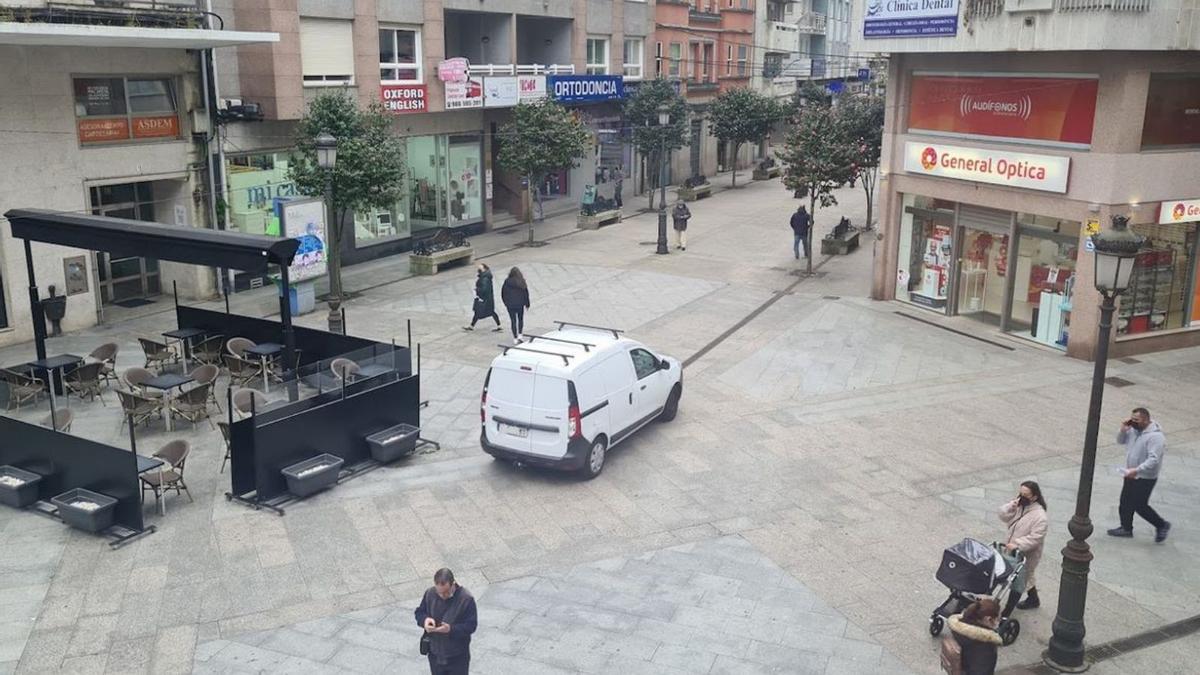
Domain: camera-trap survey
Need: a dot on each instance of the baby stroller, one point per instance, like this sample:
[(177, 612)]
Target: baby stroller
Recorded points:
[(972, 570)]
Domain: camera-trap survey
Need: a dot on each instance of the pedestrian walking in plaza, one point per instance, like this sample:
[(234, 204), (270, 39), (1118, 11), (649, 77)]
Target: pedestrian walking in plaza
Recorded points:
[(515, 296), (448, 616), (1145, 445), (974, 633), (484, 304), (618, 179), (801, 221), (1027, 524), (680, 215)]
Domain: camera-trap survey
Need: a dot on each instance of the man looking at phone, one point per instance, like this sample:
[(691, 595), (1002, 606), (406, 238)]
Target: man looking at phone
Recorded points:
[(448, 615), (1145, 446)]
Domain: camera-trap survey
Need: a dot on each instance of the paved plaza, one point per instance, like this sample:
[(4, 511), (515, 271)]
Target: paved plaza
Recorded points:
[(790, 520)]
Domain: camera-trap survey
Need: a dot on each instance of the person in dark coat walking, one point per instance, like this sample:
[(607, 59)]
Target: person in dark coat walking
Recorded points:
[(680, 215), (448, 616), (485, 299), (801, 221), (975, 632), (515, 295)]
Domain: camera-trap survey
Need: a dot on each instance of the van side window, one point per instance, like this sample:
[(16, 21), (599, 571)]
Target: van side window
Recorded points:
[(645, 363)]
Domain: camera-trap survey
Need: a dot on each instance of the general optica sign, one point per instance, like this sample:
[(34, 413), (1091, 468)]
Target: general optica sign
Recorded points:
[(1047, 110), (1178, 211), (400, 99), (1048, 173), (586, 88), (910, 18)]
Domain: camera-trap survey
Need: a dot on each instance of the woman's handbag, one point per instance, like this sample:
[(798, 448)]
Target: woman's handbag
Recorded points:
[(424, 647)]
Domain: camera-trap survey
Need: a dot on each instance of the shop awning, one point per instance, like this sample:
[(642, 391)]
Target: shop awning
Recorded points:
[(82, 35), (122, 237)]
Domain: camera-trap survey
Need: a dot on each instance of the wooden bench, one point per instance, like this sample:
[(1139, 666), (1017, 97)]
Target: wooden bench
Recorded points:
[(594, 221), (842, 240), (768, 173), (691, 194), (432, 263)]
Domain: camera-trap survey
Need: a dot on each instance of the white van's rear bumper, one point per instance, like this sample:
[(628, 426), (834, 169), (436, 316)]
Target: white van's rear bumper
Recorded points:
[(577, 451)]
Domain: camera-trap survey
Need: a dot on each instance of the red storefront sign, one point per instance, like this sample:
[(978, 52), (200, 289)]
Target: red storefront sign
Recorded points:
[(158, 126), (1051, 110), (400, 99), (103, 130)]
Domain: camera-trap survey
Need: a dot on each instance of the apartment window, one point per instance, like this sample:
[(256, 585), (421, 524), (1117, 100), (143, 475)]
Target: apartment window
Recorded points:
[(115, 109), (743, 51), (728, 60), (399, 55), (658, 56), (704, 61), (326, 52), (676, 57), (633, 58), (597, 56), (1172, 117)]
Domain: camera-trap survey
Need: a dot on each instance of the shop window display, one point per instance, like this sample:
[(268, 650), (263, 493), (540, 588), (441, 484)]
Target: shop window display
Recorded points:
[(253, 184), (926, 247), (1046, 257), (1159, 290)]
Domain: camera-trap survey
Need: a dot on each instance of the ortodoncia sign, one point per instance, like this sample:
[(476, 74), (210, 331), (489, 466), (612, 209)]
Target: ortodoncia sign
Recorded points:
[(586, 88)]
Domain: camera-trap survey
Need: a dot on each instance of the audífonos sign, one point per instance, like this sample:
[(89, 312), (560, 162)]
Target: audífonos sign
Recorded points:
[(586, 88), (910, 18), (1058, 110), (1048, 173)]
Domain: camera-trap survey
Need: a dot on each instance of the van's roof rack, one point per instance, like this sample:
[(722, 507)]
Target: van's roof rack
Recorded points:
[(565, 357), (616, 332), (586, 345)]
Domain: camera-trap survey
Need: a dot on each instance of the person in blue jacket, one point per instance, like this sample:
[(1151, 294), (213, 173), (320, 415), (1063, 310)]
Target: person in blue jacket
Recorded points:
[(448, 616)]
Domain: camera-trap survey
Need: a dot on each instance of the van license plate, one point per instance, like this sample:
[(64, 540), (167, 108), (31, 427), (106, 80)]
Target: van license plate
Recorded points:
[(519, 432)]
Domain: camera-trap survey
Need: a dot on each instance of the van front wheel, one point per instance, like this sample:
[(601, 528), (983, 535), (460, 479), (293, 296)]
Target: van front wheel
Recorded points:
[(593, 464), (672, 405)]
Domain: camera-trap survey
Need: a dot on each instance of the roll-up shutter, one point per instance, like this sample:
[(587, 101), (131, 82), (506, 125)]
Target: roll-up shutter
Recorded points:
[(980, 218), (327, 50)]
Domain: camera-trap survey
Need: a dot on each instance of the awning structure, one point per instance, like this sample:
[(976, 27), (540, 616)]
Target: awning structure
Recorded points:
[(212, 248), (84, 35)]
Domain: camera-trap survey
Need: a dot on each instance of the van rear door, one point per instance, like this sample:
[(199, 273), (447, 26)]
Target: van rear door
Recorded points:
[(509, 406), (548, 417)]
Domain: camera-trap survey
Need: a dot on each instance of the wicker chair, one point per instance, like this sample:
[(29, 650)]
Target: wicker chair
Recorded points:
[(106, 354), (238, 346), (224, 427), (143, 409), (208, 351), (192, 405), (61, 421), (158, 354), (245, 400), (208, 374), (135, 379), (174, 454), (22, 387), (241, 370), (344, 369), (86, 380)]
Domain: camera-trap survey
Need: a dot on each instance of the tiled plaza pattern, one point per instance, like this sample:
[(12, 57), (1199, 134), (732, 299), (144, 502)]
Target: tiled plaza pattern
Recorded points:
[(830, 445)]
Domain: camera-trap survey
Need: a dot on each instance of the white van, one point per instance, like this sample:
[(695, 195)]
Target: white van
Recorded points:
[(563, 399)]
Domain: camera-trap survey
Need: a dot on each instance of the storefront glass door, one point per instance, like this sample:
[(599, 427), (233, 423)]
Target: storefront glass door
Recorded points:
[(926, 252), (125, 278), (445, 181), (1045, 259)]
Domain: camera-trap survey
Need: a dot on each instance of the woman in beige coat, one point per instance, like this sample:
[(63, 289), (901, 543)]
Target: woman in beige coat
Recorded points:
[(1026, 520)]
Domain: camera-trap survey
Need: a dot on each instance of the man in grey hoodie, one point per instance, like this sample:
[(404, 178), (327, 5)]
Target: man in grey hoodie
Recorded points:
[(1145, 446)]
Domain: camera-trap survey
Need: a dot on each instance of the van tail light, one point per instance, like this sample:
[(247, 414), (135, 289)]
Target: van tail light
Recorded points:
[(574, 422), (482, 406)]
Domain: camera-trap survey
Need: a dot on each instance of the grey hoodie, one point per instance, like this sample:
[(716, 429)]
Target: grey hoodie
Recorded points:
[(1144, 450)]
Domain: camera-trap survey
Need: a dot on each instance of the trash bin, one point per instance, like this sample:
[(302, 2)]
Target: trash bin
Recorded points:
[(302, 296), (85, 510), (393, 443), (18, 488), (313, 475)]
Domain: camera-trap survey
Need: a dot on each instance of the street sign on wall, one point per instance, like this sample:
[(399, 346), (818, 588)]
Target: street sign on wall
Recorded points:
[(1048, 173), (910, 18)]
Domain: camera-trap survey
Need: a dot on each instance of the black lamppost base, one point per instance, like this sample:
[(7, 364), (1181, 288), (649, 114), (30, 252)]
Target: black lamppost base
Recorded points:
[(1064, 669)]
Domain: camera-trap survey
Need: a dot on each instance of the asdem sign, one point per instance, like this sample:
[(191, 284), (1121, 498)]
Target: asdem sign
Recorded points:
[(1035, 172)]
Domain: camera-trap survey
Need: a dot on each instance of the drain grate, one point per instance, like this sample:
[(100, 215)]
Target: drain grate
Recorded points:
[(1117, 382), (1130, 360), (831, 297)]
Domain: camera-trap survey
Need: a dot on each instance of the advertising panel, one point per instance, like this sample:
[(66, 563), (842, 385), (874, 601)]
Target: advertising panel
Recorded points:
[(1024, 170), (586, 88), (103, 130), (1046, 110), (465, 94), (910, 18), (400, 99), (454, 70), (499, 92), (531, 88), (304, 220), (1178, 211), (156, 126)]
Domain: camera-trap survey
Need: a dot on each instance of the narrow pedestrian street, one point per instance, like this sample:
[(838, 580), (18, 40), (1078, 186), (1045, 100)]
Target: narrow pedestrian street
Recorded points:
[(791, 518)]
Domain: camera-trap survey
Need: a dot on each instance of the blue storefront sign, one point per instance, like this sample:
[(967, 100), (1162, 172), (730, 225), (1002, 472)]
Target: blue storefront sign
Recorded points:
[(910, 18), (585, 88), (864, 74)]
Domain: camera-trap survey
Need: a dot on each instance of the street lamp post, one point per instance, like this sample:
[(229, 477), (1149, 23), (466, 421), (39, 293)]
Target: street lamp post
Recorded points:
[(327, 159), (1116, 250), (664, 118)]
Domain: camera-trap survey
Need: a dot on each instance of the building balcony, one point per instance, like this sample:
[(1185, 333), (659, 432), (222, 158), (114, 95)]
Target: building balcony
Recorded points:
[(703, 17), (145, 25), (782, 36), (811, 23), (701, 86), (491, 69)]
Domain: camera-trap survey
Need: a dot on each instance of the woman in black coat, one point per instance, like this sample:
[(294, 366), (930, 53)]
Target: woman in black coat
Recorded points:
[(975, 632), (485, 299), (515, 295)]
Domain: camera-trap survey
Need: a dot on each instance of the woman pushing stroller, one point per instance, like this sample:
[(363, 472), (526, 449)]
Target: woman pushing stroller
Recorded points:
[(1026, 520)]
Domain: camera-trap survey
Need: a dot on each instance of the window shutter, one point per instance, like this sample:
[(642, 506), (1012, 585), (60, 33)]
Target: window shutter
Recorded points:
[(327, 49)]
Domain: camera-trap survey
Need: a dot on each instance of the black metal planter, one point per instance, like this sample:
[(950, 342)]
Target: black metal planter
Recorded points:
[(393, 443), (18, 488), (313, 475), (85, 510)]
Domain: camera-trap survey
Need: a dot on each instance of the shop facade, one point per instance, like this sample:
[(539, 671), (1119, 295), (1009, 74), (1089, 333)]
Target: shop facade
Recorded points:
[(999, 167)]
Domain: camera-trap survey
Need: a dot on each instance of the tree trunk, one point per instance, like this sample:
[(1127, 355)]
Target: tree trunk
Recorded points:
[(529, 211), (812, 225), (736, 146), (333, 251), (869, 189)]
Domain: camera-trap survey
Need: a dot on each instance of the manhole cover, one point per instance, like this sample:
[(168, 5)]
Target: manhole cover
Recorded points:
[(1130, 360), (1117, 381)]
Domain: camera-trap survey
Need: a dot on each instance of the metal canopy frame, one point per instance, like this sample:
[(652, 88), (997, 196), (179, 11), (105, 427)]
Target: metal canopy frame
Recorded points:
[(211, 248)]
